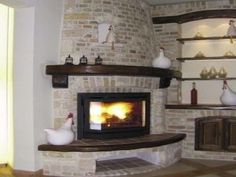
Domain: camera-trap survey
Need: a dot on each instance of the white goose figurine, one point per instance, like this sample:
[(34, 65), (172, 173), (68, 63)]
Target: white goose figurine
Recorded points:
[(228, 96), (63, 135), (161, 61)]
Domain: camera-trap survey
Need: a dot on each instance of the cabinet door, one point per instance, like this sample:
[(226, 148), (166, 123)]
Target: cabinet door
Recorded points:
[(208, 134), (230, 134)]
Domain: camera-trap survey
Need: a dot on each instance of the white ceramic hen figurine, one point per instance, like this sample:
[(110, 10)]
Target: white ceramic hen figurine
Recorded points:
[(161, 61), (63, 135), (228, 96), (231, 30)]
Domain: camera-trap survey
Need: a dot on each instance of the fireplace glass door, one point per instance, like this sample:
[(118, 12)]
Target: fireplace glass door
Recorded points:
[(113, 115)]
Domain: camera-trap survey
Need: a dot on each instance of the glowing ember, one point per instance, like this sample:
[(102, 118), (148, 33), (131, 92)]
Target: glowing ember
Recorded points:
[(101, 111)]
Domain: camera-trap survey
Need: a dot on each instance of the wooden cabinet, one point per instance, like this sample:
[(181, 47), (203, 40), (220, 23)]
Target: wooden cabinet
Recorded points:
[(208, 133), (230, 134), (215, 133)]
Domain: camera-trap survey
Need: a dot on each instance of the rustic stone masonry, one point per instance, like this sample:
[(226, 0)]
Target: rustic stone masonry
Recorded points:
[(80, 164), (134, 45), (183, 121), (134, 37)]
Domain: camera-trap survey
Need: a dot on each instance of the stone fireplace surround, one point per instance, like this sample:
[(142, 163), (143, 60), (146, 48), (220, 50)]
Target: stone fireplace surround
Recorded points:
[(58, 163)]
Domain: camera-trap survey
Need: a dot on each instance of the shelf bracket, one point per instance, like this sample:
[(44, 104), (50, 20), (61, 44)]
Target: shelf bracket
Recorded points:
[(60, 81), (164, 82)]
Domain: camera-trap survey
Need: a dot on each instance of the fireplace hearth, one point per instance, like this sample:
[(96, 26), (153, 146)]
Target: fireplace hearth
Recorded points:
[(113, 115)]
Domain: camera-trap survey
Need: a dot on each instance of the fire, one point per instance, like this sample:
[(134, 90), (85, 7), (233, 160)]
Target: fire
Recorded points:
[(101, 111)]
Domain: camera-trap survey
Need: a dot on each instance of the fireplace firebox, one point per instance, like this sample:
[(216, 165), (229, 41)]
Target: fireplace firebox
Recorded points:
[(113, 115)]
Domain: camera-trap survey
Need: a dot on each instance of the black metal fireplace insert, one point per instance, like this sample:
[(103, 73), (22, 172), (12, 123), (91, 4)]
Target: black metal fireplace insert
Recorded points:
[(113, 115)]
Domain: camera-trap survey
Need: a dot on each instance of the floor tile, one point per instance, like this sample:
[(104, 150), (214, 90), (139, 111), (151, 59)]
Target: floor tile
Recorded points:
[(233, 172)]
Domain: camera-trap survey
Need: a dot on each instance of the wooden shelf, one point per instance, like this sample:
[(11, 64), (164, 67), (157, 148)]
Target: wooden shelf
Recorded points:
[(198, 15), (60, 73), (182, 40), (95, 145), (182, 59), (201, 79), (200, 106)]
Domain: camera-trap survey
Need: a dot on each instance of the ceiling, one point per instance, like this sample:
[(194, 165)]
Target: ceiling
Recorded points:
[(157, 2)]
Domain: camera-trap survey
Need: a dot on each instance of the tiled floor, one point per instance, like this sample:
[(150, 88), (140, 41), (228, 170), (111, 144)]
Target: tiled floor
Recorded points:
[(184, 168), (195, 168)]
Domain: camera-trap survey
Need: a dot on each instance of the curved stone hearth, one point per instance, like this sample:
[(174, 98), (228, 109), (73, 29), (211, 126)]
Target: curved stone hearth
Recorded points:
[(160, 153)]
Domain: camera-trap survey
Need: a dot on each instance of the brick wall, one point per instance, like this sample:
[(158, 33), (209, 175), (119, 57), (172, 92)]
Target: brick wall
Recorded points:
[(132, 26)]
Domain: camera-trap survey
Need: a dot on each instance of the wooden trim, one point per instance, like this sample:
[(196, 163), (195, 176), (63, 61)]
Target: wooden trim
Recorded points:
[(111, 70), (197, 15), (146, 141), (60, 73), (200, 106), (21, 173), (182, 59), (182, 40), (203, 79)]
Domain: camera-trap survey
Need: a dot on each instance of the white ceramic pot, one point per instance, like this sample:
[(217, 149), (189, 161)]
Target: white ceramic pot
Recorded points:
[(228, 97), (161, 61)]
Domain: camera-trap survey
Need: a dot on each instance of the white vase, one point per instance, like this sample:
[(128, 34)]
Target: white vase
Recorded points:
[(61, 136), (161, 61), (228, 97)]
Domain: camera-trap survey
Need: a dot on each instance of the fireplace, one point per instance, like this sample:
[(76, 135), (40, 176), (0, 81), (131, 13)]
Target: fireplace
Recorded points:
[(113, 115)]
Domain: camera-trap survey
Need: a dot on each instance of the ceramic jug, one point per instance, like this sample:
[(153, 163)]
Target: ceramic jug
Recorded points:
[(161, 61), (228, 97)]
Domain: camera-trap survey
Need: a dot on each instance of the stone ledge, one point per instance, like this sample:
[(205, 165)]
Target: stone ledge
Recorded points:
[(91, 145)]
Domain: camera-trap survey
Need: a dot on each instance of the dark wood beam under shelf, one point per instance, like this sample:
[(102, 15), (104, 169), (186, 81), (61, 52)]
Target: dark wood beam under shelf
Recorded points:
[(60, 73), (182, 59), (202, 79), (182, 40), (197, 15), (200, 106)]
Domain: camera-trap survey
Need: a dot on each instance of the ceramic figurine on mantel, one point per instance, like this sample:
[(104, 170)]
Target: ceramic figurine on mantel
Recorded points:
[(98, 60), (110, 38), (63, 135), (83, 60), (228, 97), (69, 60), (161, 61)]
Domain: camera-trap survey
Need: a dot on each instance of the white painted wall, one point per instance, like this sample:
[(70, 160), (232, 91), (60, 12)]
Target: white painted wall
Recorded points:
[(23, 93), (208, 91), (48, 18), (37, 37)]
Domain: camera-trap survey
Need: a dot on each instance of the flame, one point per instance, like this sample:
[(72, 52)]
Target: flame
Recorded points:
[(100, 111)]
